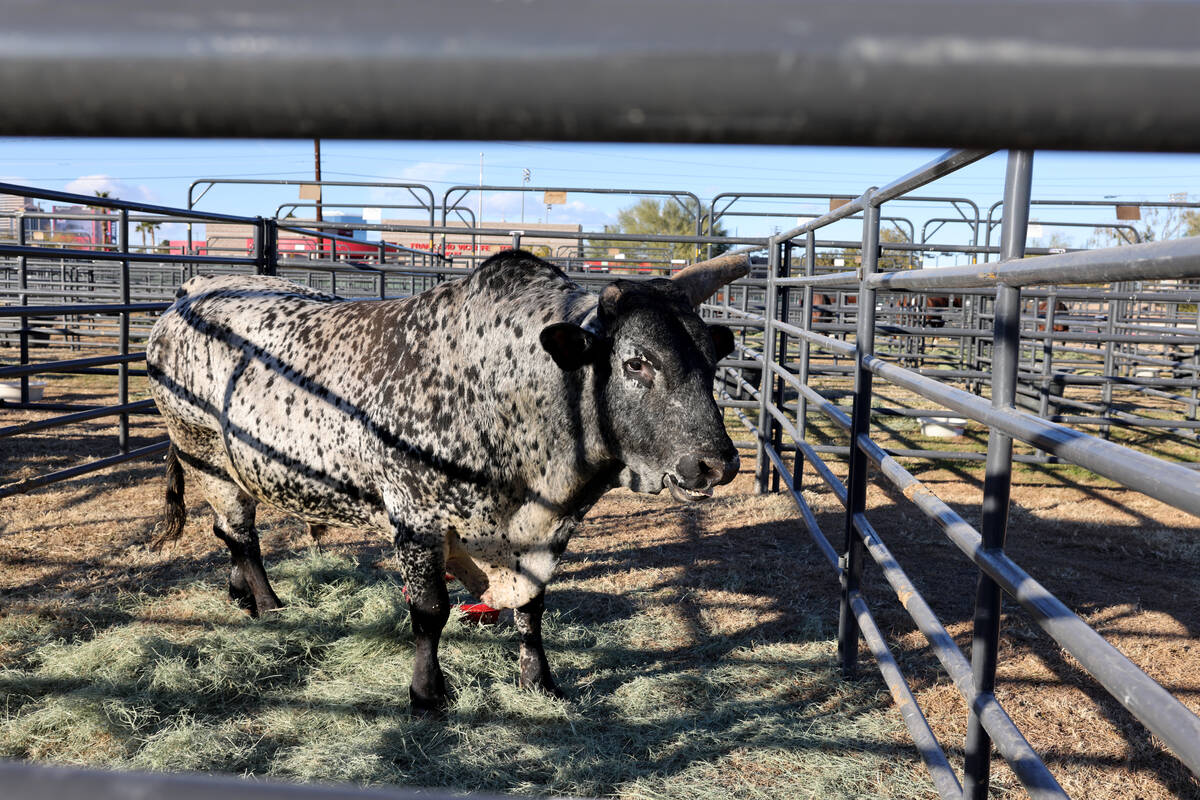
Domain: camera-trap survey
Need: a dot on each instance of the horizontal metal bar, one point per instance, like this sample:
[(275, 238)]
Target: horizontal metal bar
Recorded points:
[(836, 280), (849, 209), (366, 269), (939, 167), (70, 419), (105, 255), (506, 233), (937, 455), (826, 342), (870, 73), (806, 512), (1175, 258), (82, 308), (815, 461), (29, 484), (1168, 482), (387, 246), (73, 365)]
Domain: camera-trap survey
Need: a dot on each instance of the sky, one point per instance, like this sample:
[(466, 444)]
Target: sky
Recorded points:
[(160, 171)]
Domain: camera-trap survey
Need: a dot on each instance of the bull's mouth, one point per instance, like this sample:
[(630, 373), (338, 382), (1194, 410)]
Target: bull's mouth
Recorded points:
[(685, 495)]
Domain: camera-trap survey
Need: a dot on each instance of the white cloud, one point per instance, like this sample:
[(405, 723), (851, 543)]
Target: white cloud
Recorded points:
[(117, 189), (428, 172)]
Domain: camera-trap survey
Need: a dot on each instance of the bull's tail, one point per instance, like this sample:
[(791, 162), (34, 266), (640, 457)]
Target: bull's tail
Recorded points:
[(174, 513)]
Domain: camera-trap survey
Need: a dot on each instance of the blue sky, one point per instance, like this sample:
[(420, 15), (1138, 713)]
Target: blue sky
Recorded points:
[(160, 171)]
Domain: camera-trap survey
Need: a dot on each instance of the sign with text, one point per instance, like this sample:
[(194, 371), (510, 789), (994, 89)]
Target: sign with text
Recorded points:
[(554, 198)]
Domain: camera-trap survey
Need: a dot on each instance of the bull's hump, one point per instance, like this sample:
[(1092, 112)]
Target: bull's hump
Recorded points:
[(515, 271)]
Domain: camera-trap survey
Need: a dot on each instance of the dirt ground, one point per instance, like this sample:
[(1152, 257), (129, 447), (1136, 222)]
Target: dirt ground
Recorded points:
[(1126, 564)]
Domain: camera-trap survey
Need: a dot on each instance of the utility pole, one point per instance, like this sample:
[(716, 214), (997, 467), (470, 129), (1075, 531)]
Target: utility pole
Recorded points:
[(479, 213), (526, 175), (320, 216)]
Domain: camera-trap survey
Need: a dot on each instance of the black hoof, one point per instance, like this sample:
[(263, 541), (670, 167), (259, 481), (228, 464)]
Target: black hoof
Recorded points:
[(271, 603), (244, 599), (545, 686), (426, 708)]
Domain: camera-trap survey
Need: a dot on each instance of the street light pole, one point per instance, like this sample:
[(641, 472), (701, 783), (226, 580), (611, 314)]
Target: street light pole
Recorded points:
[(525, 181), (320, 216)]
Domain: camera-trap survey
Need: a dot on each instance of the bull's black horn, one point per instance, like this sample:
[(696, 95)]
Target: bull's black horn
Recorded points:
[(700, 281)]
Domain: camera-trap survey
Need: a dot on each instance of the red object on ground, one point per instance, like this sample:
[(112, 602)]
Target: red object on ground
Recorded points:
[(481, 613)]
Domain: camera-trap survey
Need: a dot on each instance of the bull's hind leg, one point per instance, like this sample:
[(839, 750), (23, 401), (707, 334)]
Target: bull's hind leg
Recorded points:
[(234, 525), (535, 670), (423, 567)]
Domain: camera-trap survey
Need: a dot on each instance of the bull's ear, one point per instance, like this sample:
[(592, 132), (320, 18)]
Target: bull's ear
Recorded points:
[(570, 345), (722, 339)]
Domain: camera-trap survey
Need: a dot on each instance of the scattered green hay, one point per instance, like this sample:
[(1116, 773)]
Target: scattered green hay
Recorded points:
[(319, 692)]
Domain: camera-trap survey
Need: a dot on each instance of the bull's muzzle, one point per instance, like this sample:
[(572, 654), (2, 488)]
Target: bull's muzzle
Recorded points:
[(697, 473)]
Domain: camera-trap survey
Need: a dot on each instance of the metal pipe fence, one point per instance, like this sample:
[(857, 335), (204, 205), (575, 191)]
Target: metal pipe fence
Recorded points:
[(801, 335), (1004, 284), (109, 295), (1117, 354)]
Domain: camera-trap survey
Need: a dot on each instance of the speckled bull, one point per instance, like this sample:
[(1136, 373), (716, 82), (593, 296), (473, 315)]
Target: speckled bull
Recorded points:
[(474, 423)]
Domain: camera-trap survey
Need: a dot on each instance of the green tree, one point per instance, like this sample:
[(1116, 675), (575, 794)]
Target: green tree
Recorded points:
[(896, 259), (1192, 223), (851, 257), (667, 217), (1156, 225)]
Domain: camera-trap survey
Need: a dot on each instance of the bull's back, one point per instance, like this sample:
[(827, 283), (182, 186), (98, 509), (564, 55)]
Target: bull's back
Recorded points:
[(261, 364), (198, 346)]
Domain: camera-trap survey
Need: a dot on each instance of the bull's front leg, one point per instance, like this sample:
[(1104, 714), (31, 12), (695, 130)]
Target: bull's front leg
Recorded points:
[(422, 564), (535, 670)]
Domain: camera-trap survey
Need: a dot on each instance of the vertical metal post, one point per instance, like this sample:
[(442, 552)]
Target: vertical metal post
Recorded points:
[(66, 318), (266, 247), (856, 503), (333, 254), (763, 467), (382, 274), (810, 269), (783, 304), (23, 285), (997, 485), (123, 368), (1110, 327), (741, 393), (1195, 393), (516, 235), (1047, 360)]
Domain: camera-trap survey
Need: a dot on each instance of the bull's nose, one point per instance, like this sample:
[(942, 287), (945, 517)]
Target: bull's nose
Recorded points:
[(732, 464), (705, 470)]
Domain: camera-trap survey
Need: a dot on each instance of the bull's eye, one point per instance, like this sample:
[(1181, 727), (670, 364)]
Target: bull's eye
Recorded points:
[(640, 370)]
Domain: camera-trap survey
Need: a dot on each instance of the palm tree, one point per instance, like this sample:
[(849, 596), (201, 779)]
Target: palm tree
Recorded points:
[(107, 229), (147, 227)]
